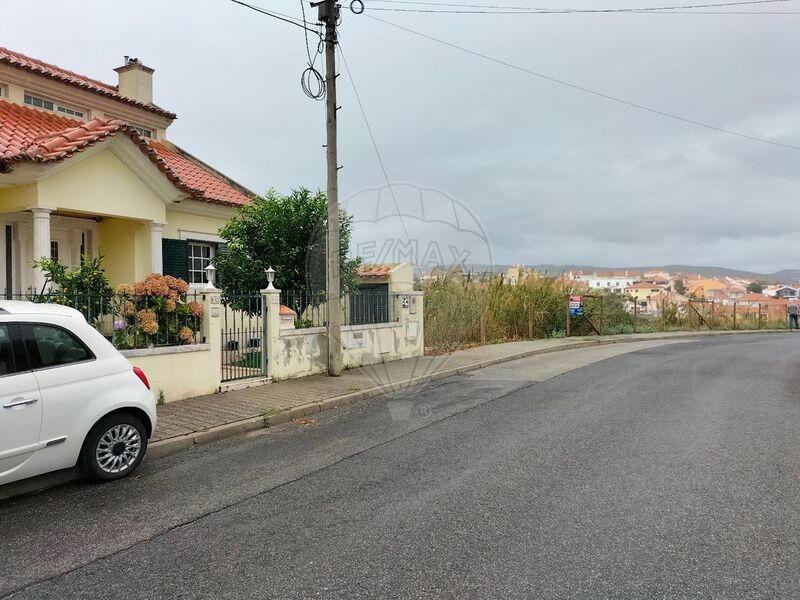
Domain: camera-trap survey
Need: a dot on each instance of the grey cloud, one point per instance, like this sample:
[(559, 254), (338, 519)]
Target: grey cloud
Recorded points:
[(552, 174)]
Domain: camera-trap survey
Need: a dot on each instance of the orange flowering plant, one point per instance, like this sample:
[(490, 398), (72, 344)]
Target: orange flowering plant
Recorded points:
[(155, 311)]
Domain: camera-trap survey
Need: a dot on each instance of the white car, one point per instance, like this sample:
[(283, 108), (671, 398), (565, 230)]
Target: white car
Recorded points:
[(67, 397)]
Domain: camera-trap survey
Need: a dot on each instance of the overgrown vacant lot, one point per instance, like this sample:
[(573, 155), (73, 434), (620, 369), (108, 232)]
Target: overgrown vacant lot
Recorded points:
[(461, 313)]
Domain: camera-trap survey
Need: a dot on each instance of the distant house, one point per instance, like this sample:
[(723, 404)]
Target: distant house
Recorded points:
[(720, 296), (654, 304), (517, 274), (735, 292), (609, 281), (782, 291), (86, 168), (700, 288), (641, 291)]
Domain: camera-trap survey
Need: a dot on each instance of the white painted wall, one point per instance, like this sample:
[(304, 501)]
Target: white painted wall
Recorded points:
[(302, 352)]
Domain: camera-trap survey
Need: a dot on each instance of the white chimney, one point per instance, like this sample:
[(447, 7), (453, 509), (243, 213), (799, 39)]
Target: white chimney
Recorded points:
[(135, 81)]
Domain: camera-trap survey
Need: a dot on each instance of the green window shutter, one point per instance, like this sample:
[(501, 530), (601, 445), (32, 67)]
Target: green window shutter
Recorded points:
[(176, 258)]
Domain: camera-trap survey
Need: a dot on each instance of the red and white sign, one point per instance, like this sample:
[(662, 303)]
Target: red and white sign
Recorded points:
[(575, 301)]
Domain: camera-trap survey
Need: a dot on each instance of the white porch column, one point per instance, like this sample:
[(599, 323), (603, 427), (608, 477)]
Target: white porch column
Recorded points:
[(156, 254), (41, 242)]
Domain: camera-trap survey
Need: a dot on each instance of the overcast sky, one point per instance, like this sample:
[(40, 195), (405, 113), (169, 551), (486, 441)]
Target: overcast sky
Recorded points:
[(539, 173)]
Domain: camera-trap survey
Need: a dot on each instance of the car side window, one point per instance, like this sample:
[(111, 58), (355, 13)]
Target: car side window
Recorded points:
[(52, 346), (7, 363)]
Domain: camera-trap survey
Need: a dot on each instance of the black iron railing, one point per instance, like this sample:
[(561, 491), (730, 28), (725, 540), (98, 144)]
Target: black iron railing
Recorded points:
[(130, 321)]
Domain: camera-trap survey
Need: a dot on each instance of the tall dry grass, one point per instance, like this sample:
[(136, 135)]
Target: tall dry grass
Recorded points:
[(461, 313)]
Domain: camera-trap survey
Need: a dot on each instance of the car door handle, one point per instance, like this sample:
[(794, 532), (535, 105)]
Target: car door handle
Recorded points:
[(20, 402)]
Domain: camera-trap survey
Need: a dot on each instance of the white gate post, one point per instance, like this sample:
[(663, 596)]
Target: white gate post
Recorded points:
[(271, 299), (212, 329)]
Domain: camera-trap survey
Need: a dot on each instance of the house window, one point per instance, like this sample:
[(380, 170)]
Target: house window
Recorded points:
[(142, 131), (39, 102), (54, 251), (200, 256), (69, 111), (3, 91)]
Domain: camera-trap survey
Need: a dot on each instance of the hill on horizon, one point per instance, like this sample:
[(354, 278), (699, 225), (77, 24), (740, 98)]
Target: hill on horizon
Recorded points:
[(782, 276), (791, 276)]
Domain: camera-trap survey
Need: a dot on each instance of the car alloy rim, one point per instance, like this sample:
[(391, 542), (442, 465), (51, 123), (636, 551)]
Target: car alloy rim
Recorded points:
[(118, 448)]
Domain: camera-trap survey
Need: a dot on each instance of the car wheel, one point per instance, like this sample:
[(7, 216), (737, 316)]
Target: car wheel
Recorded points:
[(114, 447)]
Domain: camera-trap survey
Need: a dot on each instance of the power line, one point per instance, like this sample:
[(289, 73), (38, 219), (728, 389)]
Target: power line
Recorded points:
[(276, 15), (503, 9), (606, 12), (585, 89), (374, 143), (461, 4), (311, 81)]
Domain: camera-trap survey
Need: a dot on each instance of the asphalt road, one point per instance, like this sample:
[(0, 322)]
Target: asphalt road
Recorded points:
[(649, 470)]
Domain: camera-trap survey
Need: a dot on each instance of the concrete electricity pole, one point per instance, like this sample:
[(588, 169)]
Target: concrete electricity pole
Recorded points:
[(329, 14)]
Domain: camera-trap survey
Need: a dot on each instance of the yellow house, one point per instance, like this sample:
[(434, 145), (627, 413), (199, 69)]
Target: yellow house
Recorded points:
[(700, 287), (86, 168), (643, 291)]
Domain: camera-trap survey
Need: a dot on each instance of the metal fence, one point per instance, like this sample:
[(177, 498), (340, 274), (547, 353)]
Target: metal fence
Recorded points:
[(133, 321), (309, 306), (359, 307), (368, 306)]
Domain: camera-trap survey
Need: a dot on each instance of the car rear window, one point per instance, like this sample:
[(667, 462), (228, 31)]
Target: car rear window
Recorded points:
[(53, 346)]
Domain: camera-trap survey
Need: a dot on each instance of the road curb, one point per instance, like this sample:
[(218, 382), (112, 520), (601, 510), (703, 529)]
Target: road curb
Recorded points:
[(173, 445)]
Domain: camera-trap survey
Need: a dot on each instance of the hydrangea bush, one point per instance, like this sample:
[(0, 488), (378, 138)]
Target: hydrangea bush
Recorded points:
[(155, 311)]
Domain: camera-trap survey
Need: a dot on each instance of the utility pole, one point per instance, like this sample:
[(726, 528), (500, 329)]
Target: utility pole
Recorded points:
[(329, 15)]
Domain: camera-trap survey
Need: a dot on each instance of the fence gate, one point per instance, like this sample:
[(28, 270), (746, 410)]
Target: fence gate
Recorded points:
[(243, 336)]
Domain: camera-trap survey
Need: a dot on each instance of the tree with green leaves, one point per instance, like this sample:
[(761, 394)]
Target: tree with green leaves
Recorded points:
[(755, 287), (84, 287), (287, 233)]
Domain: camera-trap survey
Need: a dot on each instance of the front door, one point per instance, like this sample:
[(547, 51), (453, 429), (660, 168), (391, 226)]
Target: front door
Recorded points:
[(20, 403)]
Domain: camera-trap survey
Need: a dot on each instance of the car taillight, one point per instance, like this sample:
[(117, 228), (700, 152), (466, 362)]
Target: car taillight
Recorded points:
[(140, 374)]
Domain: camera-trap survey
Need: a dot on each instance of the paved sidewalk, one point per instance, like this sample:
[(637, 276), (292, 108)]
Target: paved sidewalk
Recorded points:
[(204, 412), (202, 418)]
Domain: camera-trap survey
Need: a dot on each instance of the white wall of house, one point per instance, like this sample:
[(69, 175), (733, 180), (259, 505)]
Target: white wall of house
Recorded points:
[(610, 284)]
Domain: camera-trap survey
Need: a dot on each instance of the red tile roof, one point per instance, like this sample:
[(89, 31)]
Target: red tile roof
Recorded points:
[(753, 297), (215, 186), (21, 61), (375, 270), (27, 134), (286, 311)]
